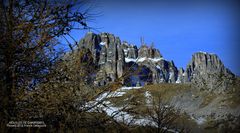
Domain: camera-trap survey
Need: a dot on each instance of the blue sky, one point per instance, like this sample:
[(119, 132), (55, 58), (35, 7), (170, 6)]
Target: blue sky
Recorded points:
[(176, 29)]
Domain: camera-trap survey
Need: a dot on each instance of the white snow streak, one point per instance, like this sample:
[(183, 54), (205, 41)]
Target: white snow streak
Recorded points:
[(143, 59), (103, 43)]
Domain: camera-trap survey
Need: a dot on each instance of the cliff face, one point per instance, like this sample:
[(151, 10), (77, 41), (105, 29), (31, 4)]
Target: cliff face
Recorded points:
[(206, 71), (108, 54), (117, 59)]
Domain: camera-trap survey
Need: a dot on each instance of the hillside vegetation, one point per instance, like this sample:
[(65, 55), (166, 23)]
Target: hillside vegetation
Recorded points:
[(200, 110)]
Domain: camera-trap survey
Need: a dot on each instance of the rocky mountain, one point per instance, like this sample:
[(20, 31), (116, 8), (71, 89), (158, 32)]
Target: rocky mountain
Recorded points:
[(206, 71), (118, 59)]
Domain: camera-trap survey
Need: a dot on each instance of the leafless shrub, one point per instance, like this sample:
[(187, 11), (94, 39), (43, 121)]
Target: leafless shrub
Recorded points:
[(162, 115)]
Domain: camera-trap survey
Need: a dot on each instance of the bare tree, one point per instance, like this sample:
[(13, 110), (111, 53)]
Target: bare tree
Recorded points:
[(29, 29), (60, 100), (162, 115), (32, 87)]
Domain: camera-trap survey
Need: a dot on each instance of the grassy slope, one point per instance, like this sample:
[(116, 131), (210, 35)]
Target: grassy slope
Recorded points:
[(136, 99)]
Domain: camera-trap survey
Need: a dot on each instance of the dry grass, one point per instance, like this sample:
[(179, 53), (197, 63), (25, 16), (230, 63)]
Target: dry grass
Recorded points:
[(137, 100), (234, 97), (166, 90), (208, 98)]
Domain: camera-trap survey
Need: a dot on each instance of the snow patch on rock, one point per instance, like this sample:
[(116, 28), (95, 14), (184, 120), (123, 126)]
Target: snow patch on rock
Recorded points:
[(178, 80), (158, 67), (130, 60), (103, 43), (143, 59)]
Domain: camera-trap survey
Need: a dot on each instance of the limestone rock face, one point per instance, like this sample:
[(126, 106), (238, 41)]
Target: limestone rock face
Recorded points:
[(107, 53), (167, 70), (103, 56), (148, 52), (130, 51), (206, 62), (206, 71), (91, 41), (143, 52), (120, 61), (114, 57), (146, 65), (181, 76)]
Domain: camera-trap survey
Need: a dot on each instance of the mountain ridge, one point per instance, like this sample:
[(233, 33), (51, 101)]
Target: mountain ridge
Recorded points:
[(114, 57)]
